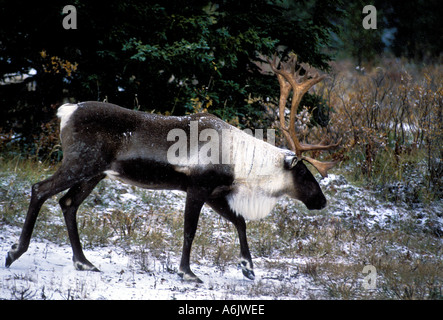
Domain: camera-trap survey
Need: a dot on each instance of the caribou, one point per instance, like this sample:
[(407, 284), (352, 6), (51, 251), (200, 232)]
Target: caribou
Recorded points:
[(243, 181)]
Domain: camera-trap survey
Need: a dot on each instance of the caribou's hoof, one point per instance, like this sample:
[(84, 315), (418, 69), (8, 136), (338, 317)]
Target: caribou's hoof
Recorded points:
[(189, 277), (249, 274), (9, 260), (13, 255), (85, 266), (246, 269)]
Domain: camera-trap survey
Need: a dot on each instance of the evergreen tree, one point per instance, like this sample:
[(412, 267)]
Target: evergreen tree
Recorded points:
[(167, 55)]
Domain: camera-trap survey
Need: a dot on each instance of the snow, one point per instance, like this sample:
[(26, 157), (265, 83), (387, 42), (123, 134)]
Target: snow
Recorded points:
[(46, 271), (350, 201)]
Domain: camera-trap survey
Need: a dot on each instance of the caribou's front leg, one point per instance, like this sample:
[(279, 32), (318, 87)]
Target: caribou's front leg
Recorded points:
[(192, 213), (221, 206), (246, 260)]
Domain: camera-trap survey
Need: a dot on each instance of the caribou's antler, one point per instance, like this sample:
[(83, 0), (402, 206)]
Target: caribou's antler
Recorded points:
[(289, 78)]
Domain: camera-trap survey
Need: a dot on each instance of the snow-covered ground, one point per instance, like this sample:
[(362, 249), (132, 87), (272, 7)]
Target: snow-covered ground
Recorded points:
[(46, 270)]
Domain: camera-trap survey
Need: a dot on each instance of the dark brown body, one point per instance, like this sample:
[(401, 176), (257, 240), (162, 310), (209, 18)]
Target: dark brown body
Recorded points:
[(102, 139)]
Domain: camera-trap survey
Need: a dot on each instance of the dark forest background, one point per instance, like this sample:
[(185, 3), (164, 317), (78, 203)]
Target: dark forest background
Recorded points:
[(178, 57)]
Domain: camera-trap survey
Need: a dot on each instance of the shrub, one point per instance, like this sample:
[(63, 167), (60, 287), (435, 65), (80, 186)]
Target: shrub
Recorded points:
[(389, 118), (390, 122)]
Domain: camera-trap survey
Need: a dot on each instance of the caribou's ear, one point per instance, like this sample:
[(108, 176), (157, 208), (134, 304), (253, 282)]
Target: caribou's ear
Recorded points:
[(290, 161)]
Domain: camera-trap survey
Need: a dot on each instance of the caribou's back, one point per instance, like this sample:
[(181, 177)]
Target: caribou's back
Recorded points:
[(132, 146)]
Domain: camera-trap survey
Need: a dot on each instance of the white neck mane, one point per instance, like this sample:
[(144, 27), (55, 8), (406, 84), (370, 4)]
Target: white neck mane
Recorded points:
[(259, 177)]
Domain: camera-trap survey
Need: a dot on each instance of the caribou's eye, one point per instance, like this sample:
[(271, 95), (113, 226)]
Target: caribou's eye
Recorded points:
[(290, 162)]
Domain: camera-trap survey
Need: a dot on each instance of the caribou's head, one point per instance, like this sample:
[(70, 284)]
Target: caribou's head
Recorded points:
[(305, 187)]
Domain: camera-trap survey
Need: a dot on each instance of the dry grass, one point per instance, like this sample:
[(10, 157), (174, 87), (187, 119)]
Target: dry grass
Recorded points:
[(307, 254), (390, 120)]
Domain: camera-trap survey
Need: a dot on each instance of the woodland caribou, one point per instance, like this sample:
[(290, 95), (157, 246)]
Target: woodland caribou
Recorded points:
[(244, 181)]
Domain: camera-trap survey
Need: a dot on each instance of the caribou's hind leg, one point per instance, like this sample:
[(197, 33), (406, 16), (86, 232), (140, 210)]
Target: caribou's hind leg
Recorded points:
[(70, 173), (40, 192), (69, 204)]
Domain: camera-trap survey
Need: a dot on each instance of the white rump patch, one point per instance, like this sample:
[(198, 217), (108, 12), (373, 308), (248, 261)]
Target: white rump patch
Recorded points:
[(65, 112)]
